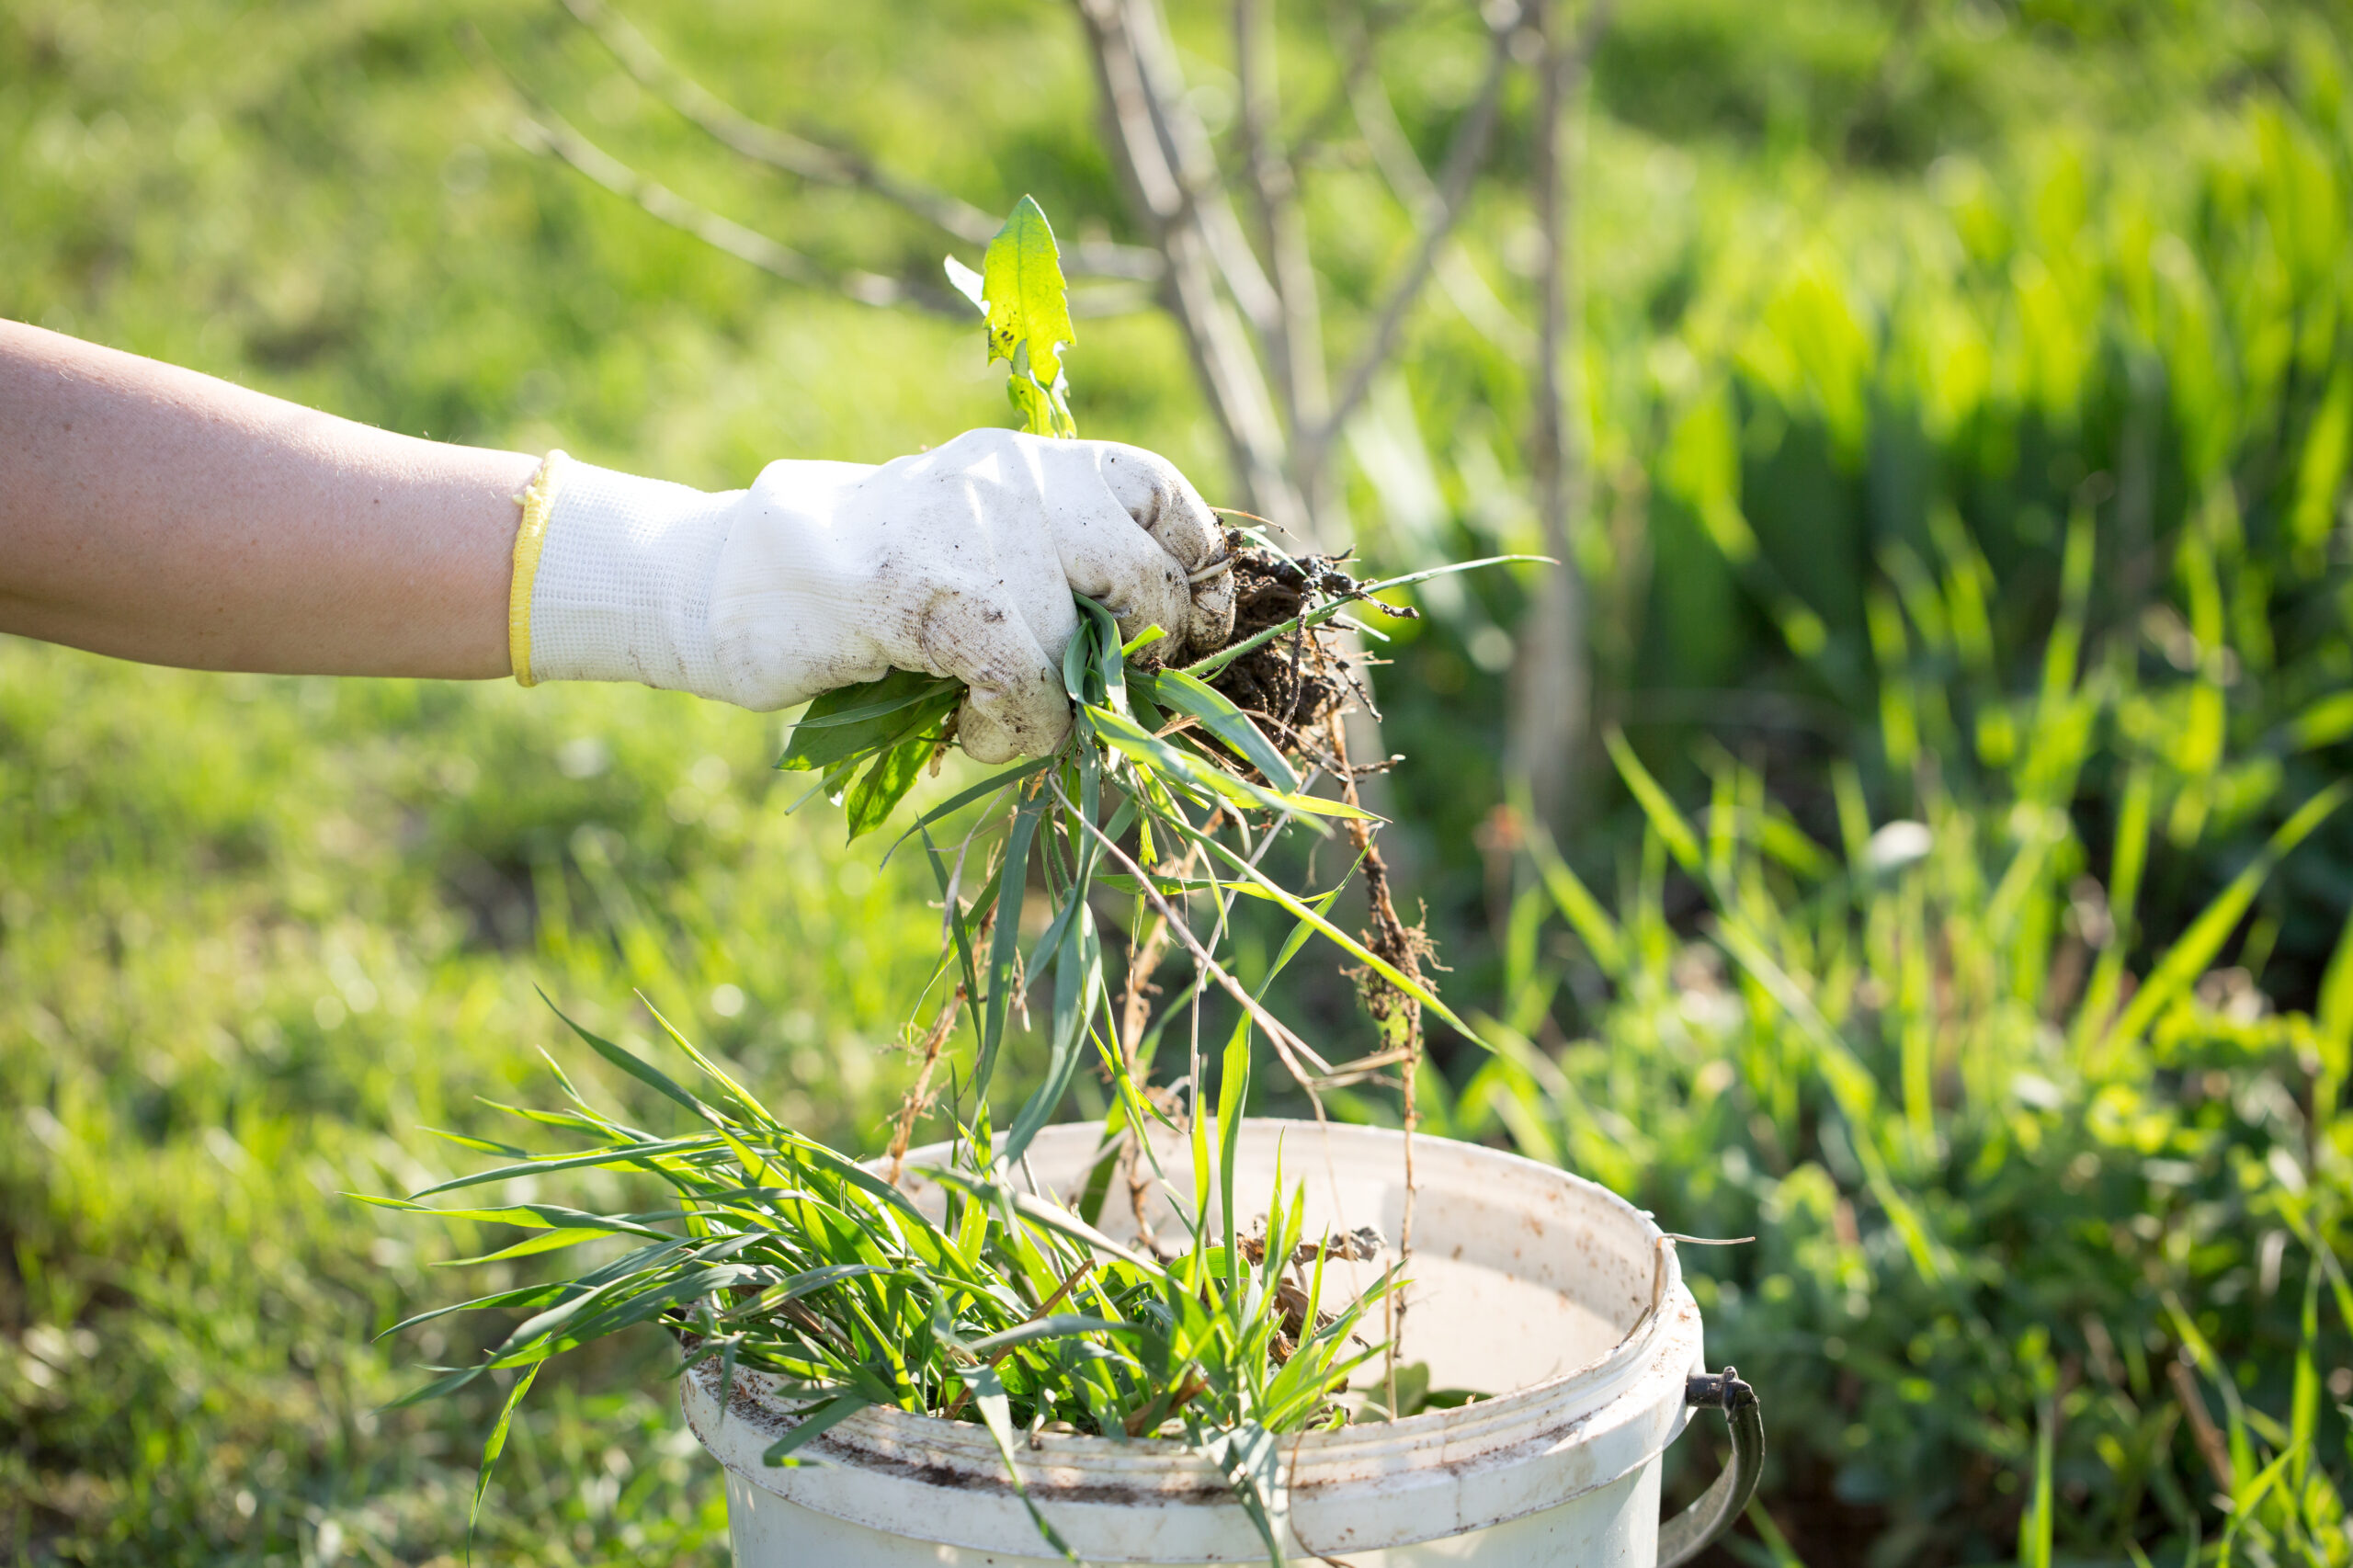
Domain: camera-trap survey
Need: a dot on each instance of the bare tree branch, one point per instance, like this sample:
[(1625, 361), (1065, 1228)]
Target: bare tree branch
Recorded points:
[(1393, 154), (1468, 150), (764, 144), (1193, 161), (542, 131), (547, 132), (827, 166), (1235, 384), (1297, 350)]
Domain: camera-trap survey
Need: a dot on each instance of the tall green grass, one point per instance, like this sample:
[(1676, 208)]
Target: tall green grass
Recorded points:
[(1846, 420), (2048, 1234), (253, 933), (1827, 385)]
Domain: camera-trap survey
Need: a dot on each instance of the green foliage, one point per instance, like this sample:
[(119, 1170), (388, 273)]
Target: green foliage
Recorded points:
[(872, 742), (781, 1255), (1875, 295), (253, 931), (893, 725), (2006, 1202), (1021, 290), (784, 1255)]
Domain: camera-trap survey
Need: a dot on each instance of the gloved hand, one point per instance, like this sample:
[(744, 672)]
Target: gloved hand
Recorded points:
[(957, 561)]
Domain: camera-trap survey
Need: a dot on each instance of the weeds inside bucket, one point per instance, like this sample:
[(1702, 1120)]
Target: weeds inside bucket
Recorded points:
[(1013, 1308)]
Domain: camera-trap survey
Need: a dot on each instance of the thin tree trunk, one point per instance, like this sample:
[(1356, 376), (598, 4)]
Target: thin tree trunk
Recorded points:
[(1552, 683)]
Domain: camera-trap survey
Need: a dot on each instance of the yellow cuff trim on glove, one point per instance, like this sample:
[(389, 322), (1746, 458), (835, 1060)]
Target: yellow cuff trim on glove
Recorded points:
[(537, 501)]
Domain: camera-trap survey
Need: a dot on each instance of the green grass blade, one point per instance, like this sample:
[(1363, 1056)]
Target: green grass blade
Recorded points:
[(496, 1446), (989, 1397), (1348, 944), (1005, 944), (621, 1157), (545, 1241), (2304, 1401), (2037, 1526), (1176, 762), (1572, 898), (643, 1072), (745, 1099), (1674, 828), (440, 1387), (1176, 689), (1232, 1097), (1205, 669), (1111, 657), (1060, 1325), (816, 1424), (1078, 985), (532, 1216), (965, 797), (2194, 952)]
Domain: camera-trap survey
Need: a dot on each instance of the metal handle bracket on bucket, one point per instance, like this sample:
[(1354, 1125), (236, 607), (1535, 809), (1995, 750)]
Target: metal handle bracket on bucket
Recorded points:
[(1689, 1533)]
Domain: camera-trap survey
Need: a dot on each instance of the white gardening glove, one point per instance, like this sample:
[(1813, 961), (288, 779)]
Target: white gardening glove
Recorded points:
[(957, 561)]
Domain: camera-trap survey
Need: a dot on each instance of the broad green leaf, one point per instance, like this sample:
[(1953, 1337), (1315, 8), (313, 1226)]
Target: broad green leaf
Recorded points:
[(857, 721), (1029, 317), (967, 282)]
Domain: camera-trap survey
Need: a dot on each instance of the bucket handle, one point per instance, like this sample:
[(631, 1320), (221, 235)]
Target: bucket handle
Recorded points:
[(1688, 1534)]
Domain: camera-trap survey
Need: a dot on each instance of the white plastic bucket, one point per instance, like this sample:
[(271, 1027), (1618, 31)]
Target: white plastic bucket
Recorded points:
[(1550, 1293)]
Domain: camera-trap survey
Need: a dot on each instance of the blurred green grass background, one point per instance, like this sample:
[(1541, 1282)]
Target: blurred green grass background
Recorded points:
[(1886, 304)]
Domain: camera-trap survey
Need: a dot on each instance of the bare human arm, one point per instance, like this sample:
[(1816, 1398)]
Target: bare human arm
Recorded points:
[(155, 513), (158, 515)]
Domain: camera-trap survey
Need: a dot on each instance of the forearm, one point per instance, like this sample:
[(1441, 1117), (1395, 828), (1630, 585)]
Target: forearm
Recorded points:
[(155, 513)]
